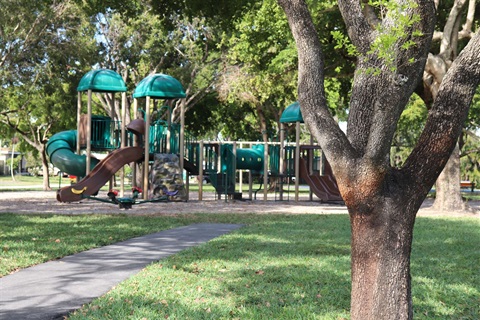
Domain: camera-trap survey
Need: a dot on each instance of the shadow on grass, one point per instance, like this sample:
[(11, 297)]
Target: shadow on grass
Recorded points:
[(287, 267), (277, 267), (31, 239), (295, 267), (444, 264)]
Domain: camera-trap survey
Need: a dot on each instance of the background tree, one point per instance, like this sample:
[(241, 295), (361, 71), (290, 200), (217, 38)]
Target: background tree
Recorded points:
[(149, 42), (261, 63), (470, 144), (383, 200), (42, 52), (455, 29), (409, 128)]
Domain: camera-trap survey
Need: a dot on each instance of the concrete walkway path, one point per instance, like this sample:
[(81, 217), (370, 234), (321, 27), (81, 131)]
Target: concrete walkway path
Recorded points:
[(53, 289)]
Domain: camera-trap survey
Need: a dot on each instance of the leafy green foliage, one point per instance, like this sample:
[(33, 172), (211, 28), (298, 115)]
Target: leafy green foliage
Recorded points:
[(263, 62), (470, 160), (393, 37), (220, 13), (409, 128), (149, 42), (470, 143), (43, 53)]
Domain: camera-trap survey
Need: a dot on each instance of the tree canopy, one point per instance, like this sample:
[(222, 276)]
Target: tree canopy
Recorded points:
[(44, 48)]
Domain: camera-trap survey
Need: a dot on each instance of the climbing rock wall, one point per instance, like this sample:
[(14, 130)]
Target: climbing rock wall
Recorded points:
[(166, 178)]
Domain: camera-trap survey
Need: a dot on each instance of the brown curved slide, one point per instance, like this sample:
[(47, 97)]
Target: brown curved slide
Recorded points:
[(324, 187), (100, 175)]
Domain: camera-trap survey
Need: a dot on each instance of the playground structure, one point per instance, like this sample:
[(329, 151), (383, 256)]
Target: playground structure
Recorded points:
[(146, 136)]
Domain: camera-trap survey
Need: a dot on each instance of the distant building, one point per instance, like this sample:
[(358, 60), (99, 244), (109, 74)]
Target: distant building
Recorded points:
[(5, 161)]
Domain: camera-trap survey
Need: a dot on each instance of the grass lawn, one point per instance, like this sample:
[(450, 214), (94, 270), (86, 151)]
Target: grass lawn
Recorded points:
[(30, 182), (276, 267)]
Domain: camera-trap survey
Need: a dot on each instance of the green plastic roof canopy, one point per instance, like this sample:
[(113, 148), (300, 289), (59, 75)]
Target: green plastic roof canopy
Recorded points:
[(102, 80), (160, 86), (292, 113)]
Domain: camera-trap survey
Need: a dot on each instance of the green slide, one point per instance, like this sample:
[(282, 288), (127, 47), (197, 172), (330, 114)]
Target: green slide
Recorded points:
[(61, 152)]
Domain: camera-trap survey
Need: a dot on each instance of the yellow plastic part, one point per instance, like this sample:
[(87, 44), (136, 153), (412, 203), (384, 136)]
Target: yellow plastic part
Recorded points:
[(75, 191)]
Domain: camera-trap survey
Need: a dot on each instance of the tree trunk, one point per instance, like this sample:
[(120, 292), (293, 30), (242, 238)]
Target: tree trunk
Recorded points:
[(448, 196), (381, 246), (46, 177), (11, 162), (382, 201)]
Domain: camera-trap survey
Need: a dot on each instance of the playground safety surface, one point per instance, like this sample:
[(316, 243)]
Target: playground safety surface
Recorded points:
[(44, 202)]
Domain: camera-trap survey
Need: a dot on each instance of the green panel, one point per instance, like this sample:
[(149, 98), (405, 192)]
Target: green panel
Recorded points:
[(274, 159), (292, 113), (102, 80), (160, 86), (251, 159), (105, 133)]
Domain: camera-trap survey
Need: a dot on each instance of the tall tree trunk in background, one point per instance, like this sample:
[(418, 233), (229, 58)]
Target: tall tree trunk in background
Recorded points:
[(448, 195), (447, 187), (46, 174), (11, 160)]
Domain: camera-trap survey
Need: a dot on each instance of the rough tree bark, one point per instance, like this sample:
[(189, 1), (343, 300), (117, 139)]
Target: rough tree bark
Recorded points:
[(382, 201)]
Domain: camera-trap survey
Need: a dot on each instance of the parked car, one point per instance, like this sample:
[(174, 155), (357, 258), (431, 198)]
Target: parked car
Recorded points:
[(52, 171)]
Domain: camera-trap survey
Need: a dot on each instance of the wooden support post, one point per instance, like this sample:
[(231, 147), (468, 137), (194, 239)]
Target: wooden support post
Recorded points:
[(182, 144), (111, 183), (297, 160), (89, 132), (240, 174), (122, 142), (147, 149), (135, 143), (79, 116), (281, 169), (169, 127), (234, 165), (250, 185), (200, 173), (265, 171)]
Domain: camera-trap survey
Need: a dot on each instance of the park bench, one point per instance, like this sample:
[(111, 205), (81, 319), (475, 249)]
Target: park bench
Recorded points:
[(467, 184)]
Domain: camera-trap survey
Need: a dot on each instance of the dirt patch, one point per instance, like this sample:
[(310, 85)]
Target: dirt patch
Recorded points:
[(44, 202)]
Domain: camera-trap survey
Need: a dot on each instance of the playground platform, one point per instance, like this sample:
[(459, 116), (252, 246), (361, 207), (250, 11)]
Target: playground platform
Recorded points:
[(52, 290)]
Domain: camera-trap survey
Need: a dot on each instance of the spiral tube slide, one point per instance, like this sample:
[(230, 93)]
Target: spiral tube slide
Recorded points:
[(61, 152)]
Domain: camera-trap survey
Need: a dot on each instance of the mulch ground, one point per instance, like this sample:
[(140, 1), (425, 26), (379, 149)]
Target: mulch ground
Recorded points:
[(35, 202)]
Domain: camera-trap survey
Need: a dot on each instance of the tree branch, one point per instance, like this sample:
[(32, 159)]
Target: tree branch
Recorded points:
[(370, 14), (468, 152), (358, 27), (449, 31), (446, 117), (467, 27), (379, 99), (311, 93)]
